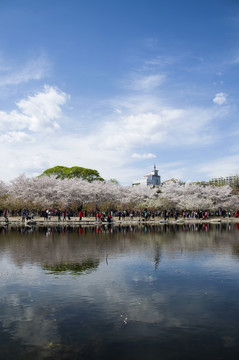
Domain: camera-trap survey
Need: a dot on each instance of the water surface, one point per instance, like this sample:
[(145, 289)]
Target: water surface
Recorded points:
[(153, 292)]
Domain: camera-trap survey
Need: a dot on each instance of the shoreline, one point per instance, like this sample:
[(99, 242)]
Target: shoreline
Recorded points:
[(91, 221)]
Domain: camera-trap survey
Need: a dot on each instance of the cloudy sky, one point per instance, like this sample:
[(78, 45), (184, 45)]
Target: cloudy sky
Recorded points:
[(119, 86)]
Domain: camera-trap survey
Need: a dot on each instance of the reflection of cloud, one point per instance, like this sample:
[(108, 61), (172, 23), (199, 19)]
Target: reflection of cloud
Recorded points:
[(28, 315), (125, 290)]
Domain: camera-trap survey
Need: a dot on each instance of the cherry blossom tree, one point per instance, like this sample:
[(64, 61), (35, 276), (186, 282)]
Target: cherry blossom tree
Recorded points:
[(52, 192)]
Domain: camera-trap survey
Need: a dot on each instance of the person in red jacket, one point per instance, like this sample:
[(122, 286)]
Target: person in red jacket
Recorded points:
[(81, 214), (98, 216)]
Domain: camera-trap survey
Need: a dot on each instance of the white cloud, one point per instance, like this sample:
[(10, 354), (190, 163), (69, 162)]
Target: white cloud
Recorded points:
[(148, 82), (110, 148), (220, 98), (139, 82), (42, 108), (30, 162), (143, 156), (16, 136), (34, 69), (138, 127), (225, 166), (174, 127), (37, 113)]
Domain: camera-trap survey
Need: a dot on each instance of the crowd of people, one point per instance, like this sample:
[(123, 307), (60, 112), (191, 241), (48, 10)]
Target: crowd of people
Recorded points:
[(121, 215)]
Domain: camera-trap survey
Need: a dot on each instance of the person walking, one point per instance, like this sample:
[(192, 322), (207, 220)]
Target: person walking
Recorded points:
[(81, 214), (58, 213)]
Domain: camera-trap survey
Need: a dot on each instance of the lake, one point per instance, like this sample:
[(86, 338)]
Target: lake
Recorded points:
[(133, 292)]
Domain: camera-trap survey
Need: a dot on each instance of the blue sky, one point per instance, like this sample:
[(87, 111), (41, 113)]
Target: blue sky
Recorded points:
[(119, 86)]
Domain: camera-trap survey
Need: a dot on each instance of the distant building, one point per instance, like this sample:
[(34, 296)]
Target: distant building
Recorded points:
[(218, 181), (152, 179), (174, 181), (232, 180)]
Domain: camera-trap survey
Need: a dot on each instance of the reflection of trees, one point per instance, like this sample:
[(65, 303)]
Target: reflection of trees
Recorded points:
[(77, 269), (235, 250), (157, 255), (71, 248), (121, 228)]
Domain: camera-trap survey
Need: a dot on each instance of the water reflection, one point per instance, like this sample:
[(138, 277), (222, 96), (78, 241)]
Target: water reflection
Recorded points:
[(109, 229), (66, 245), (120, 292), (77, 269)]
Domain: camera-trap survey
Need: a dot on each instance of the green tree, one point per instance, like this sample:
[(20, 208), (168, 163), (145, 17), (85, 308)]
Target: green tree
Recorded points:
[(63, 172)]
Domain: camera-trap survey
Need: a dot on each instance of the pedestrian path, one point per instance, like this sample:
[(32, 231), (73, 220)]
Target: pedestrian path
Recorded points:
[(91, 221)]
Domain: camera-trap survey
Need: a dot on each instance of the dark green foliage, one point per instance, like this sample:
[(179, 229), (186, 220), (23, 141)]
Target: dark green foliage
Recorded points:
[(63, 172), (77, 269)]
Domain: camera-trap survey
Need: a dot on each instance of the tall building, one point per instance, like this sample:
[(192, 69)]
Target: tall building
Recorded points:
[(152, 179)]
